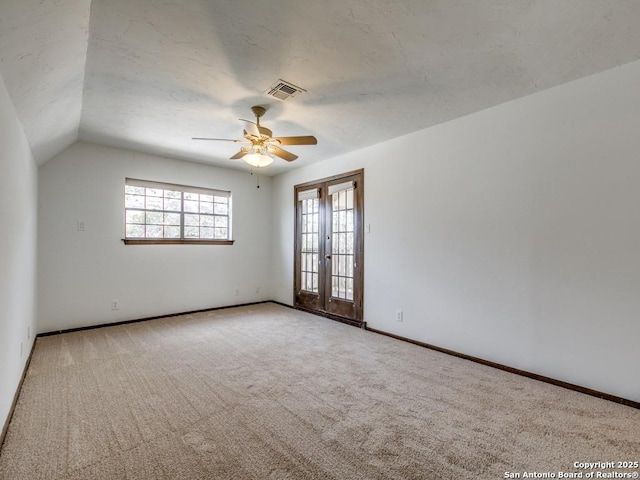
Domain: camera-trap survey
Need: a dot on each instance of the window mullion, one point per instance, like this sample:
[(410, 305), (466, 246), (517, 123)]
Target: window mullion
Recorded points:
[(182, 215)]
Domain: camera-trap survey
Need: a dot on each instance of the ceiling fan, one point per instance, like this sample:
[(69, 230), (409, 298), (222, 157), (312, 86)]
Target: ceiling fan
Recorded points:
[(262, 145)]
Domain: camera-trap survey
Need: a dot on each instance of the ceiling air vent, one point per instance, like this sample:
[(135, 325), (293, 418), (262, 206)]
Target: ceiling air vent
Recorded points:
[(284, 90)]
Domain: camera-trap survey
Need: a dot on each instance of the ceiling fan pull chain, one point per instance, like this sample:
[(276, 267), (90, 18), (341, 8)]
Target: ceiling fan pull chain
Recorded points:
[(257, 177)]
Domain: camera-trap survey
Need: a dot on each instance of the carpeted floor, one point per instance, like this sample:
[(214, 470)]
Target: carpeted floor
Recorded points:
[(266, 392)]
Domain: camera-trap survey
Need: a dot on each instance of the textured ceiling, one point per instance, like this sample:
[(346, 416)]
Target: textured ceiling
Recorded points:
[(148, 75)]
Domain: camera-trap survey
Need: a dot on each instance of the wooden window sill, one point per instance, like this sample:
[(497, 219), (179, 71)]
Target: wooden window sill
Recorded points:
[(160, 241)]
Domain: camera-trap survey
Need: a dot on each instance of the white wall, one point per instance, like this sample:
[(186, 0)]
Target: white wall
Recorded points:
[(512, 234), (81, 272), (18, 211)]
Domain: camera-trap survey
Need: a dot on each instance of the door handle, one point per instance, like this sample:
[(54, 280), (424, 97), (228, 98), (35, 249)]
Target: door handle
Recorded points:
[(328, 257)]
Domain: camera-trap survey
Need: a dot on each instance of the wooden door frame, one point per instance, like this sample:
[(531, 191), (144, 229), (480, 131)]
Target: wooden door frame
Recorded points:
[(358, 297)]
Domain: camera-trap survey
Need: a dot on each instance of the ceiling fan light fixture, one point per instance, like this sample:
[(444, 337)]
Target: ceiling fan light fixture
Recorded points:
[(258, 158)]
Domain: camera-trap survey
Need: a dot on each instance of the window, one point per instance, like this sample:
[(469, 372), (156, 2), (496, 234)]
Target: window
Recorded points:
[(166, 213)]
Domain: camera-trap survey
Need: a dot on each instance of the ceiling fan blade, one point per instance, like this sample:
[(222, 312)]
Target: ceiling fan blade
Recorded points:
[(241, 153), (216, 139), (251, 127), (302, 140), (288, 156)]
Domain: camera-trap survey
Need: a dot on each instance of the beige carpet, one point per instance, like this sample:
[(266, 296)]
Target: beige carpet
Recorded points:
[(266, 392)]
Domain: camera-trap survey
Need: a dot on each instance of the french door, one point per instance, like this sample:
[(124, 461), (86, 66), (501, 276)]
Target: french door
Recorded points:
[(328, 277)]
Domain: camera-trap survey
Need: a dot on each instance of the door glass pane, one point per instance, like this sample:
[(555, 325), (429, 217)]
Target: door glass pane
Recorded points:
[(349, 266), (349, 242), (342, 246), (309, 243)]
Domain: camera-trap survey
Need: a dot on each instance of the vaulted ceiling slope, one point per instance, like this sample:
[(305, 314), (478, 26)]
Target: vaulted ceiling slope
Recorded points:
[(148, 75), (43, 48)]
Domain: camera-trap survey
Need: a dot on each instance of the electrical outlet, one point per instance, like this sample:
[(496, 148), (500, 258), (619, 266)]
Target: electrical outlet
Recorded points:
[(115, 304), (28, 333), (237, 292), (399, 316), (257, 289), (21, 345)]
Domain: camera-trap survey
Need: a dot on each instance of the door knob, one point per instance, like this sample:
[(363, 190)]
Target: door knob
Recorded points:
[(327, 257)]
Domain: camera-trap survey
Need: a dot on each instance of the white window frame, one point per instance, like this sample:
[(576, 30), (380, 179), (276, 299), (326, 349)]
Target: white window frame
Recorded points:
[(179, 231)]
